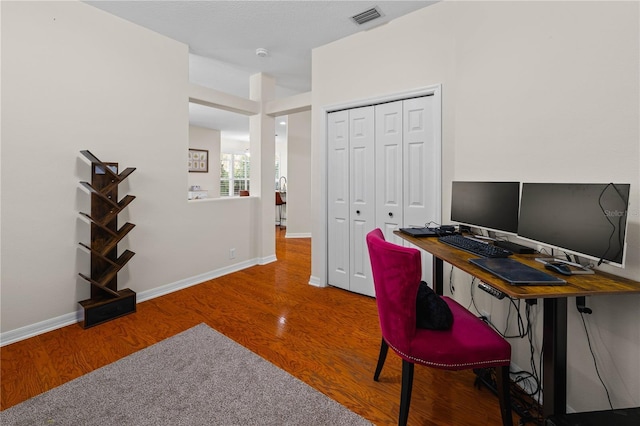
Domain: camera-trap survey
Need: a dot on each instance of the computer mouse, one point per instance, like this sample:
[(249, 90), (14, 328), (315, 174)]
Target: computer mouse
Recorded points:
[(559, 267)]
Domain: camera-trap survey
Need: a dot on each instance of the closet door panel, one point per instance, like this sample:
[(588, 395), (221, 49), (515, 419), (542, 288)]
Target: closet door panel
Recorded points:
[(388, 180), (338, 199), (421, 163), (415, 176), (362, 196), (361, 279), (421, 169)]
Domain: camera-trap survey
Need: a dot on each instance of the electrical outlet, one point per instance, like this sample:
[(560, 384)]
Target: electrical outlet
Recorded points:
[(486, 315), (232, 253)]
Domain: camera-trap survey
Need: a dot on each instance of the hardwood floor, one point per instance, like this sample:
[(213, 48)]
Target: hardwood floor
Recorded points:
[(327, 337)]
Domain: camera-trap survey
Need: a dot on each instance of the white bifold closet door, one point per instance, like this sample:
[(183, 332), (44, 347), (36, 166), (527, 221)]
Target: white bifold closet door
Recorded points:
[(351, 195), (338, 256), (362, 196), (388, 174), (422, 169), (380, 175)]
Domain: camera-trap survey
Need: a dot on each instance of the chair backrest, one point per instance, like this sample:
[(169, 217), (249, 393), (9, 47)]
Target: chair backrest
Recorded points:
[(396, 276), (244, 193), (279, 200)]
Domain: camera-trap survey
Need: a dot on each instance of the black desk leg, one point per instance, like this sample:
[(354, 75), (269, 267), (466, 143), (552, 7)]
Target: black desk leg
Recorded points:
[(554, 341), (438, 276)]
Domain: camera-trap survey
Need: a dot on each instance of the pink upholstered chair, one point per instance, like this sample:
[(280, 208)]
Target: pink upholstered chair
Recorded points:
[(468, 344)]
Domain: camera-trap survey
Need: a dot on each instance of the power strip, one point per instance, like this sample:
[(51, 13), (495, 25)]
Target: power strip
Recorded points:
[(492, 291)]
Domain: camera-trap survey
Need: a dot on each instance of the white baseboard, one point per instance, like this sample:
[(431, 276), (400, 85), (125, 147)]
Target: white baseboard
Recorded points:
[(41, 327), (191, 281), (315, 281), (45, 326), (298, 235), (267, 259)]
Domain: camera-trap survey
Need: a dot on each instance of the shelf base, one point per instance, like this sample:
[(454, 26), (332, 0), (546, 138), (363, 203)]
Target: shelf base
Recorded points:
[(103, 310)]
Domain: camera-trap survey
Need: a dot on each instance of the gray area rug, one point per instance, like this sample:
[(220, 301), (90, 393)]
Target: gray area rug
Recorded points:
[(198, 377)]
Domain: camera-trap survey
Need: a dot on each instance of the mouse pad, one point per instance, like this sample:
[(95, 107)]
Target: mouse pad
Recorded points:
[(516, 273)]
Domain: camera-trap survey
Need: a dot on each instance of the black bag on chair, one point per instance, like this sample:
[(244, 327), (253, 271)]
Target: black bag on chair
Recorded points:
[(432, 311)]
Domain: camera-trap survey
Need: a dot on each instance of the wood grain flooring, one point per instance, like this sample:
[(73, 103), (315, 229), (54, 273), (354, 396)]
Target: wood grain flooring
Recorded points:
[(327, 337)]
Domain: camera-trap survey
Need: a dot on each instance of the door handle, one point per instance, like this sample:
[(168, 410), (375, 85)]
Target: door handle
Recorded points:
[(357, 211), (390, 214)]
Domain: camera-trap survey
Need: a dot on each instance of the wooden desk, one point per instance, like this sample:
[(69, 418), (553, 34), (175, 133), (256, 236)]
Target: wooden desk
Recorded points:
[(554, 334)]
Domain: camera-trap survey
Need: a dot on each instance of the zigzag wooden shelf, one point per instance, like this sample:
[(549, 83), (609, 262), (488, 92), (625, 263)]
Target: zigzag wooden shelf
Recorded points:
[(106, 302)]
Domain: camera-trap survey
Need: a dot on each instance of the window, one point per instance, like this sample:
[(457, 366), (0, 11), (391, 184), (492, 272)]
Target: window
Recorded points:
[(234, 174)]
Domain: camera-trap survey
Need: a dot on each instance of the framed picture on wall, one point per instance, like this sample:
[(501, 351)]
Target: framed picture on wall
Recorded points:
[(198, 160)]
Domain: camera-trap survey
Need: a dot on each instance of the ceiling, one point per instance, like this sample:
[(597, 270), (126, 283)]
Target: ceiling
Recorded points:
[(223, 37)]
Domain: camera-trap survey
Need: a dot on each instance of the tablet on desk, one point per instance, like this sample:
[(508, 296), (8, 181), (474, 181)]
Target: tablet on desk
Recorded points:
[(516, 273)]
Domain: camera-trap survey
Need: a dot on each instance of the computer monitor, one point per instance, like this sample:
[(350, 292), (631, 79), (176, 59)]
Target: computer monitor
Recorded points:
[(585, 219), (489, 205)]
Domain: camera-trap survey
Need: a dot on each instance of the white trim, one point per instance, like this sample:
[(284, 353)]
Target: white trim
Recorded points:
[(32, 330), (435, 91), (41, 327), (298, 235), (269, 259), (191, 281), (321, 280), (316, 282), (437, 94)]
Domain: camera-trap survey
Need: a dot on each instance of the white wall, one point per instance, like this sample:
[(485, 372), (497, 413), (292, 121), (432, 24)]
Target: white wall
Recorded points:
[(282, 155), (532, 91), (74, 78), (208, 139), (299, 178)]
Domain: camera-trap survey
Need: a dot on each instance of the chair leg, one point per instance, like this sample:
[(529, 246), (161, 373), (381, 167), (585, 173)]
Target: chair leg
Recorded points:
[(504, 394), (405, 394), (384, 348)]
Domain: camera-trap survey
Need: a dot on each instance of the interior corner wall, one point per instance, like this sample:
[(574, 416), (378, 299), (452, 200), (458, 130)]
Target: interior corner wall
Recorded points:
[(531, 91), (74, 78), (207, 139), (299, 180)]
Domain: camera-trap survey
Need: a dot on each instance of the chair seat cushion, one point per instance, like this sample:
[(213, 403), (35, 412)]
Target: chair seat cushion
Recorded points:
[(469, 343)]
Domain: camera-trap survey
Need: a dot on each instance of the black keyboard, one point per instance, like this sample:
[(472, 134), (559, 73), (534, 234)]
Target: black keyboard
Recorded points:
[(475, 247)]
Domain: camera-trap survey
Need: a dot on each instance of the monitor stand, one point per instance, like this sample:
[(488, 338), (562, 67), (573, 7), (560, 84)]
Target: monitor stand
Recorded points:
[(576, 268)]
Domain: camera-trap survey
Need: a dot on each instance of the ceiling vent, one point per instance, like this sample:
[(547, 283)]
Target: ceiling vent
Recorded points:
[(367, 16)]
